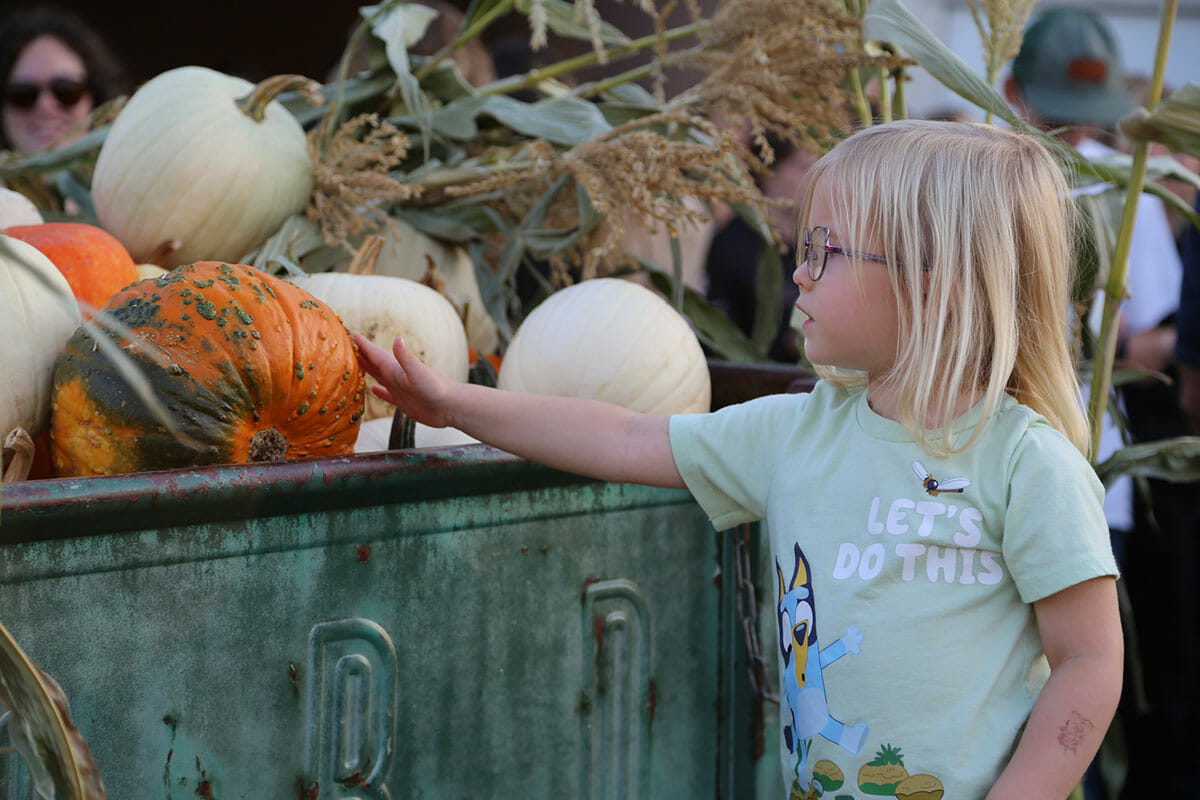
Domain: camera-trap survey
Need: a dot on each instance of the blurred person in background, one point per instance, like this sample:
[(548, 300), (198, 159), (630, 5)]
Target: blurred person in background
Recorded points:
[(731, 264), (1068, 79), (54, 70), (1187, 347)]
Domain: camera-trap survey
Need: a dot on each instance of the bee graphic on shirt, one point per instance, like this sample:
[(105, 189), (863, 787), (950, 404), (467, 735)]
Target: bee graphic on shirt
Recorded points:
[(935, 487)]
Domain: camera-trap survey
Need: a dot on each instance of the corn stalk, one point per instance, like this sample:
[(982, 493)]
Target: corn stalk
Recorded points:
[(1114, 290)]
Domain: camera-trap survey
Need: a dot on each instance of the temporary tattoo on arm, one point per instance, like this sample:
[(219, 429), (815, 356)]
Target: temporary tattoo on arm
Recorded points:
[(1072, 732)]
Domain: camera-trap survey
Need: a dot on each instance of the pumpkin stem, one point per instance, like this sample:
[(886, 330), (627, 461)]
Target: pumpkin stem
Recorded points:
[(366, 256), (254, 105), (162, 251), (268, 445), (18, 447), (403, 433), (433, 280)]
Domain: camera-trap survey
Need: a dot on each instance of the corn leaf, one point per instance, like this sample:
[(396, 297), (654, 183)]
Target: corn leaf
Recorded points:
[(567, 121), (1174, 122), (353, 91), (296, 238), (890, 21), (400, 26), (457, 224), (479, 9), (444, 81), (455, 120), (1115, 170), (562, 19), (713, 328), (1176, 460), (72, 188), (59, 158), (632, 94)]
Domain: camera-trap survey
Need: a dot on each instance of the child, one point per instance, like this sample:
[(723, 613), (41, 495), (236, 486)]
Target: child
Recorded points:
[(927, 502)]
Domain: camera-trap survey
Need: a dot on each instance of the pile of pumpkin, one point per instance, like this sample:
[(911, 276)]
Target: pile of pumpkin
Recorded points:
[(204, 360)]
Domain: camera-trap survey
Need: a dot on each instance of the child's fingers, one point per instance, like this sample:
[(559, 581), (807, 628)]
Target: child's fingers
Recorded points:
[(368, 351), (382, 393), (373, 358), (403, 355)]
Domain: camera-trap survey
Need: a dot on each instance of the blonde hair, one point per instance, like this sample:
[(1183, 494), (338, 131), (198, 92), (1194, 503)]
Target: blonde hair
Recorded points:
[(978, 219)]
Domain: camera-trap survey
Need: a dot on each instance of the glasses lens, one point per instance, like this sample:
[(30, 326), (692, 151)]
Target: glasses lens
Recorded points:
[(67, 92), (814, 252), (22, 95)]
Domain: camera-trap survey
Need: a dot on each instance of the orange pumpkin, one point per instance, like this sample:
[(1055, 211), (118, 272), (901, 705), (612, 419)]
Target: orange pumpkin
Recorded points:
[(248, 367), (94, 262)]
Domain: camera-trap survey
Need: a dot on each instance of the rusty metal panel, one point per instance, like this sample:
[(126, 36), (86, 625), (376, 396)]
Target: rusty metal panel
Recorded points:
[(427, 624)]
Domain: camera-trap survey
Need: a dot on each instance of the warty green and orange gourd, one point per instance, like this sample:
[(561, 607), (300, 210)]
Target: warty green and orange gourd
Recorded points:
[(382, 307), (248, 367)]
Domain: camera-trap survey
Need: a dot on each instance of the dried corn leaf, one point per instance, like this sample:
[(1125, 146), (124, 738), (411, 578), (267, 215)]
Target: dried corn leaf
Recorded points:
[(1176, 460), (561, 18), (40, 728), (18, 455), (1174, 122)]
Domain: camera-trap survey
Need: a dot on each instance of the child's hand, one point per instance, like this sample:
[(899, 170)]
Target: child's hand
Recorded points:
[(405, 382)]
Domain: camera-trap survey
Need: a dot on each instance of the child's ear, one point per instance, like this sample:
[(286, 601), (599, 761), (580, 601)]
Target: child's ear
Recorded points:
[(1013, 94)]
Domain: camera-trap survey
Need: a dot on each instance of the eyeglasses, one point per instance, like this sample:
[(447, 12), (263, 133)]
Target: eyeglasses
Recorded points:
[(24, 95), (817, 249)]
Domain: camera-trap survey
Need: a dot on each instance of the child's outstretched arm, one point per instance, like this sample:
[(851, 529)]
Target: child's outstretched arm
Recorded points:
[(583, 436), (1081, 633)]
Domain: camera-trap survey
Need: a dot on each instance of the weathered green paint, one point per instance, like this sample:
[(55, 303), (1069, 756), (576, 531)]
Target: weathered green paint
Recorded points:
[(428, 624)]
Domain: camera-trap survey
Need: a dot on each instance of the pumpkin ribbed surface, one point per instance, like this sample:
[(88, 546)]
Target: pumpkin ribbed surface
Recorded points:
[(612, 340), (94, 262), (248, 367), (382, 307), (183, 161), (37, 316)]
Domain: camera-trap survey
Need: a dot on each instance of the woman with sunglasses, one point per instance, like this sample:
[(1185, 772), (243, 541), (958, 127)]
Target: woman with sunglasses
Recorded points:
[(54, 70)]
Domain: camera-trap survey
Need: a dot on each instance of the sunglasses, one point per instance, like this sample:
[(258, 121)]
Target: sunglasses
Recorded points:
[(67, 93)]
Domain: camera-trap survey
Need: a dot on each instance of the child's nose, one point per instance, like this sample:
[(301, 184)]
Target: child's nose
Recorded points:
[(800, 276)]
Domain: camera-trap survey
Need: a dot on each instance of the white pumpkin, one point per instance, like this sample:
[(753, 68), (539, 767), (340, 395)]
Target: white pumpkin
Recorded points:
[(613, 340), (373, 436), (425, 436), (145, 271), (185, 161), (38, 313), (382, 307), (17, 209), (406, 253)]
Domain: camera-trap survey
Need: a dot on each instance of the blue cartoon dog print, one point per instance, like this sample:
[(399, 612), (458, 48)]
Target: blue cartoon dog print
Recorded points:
[(803, 661)]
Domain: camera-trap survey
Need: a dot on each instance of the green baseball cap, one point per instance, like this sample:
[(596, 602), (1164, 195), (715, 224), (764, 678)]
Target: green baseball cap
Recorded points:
[(1069, 68)]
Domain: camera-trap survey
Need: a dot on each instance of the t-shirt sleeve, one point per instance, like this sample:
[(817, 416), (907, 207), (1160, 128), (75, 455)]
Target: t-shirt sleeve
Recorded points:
[(1055, 534), (727, 458)]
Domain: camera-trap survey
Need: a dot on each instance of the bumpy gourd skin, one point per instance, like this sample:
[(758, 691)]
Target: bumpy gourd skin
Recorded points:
[(248, 366)]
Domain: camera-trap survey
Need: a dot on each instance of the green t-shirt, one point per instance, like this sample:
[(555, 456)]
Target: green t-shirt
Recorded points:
[(908, 652)]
